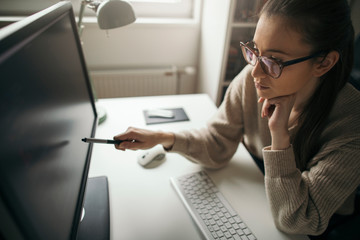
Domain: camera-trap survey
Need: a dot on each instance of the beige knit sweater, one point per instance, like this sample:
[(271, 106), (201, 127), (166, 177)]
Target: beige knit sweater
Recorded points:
[(301, 202)]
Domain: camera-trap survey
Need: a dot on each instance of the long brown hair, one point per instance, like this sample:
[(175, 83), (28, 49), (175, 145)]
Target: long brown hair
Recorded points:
[(325, 25)]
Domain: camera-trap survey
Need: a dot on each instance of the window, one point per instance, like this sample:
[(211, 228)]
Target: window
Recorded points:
[(154, 8), (142, 8), (164, 8)]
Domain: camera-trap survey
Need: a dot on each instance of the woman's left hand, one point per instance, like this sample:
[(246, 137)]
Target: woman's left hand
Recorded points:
[(278, 111)]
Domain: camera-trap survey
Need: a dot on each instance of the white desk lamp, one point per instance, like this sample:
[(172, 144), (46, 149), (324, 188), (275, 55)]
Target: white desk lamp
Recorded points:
[(110, 14)]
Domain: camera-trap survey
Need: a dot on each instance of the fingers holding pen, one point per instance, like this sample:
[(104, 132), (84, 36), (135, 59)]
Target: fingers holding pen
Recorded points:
[(128, 139), (134, 138), (127, 144)]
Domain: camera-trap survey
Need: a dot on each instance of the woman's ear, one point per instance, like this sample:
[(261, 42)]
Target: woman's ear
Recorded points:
[(326, 63)]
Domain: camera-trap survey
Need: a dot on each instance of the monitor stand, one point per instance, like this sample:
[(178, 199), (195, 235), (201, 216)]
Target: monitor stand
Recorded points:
[(95, 222)]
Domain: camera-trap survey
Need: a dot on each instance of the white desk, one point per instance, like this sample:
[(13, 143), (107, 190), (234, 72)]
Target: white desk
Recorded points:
[(143, 204)]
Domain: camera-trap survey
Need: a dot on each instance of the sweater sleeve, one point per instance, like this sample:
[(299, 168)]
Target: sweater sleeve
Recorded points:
[(215, 145), (303, 202)]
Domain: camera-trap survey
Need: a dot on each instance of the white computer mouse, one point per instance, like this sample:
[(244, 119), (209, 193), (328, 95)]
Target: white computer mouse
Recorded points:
[(152, 157)]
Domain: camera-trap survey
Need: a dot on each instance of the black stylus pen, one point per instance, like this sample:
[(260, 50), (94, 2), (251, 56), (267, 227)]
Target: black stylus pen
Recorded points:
[(106, 141)]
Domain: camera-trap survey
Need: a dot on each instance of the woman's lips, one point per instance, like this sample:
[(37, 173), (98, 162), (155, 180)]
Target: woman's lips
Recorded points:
[(261, 87)]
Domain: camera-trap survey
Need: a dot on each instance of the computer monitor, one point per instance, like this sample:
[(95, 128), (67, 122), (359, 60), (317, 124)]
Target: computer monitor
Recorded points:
[(46, 107)]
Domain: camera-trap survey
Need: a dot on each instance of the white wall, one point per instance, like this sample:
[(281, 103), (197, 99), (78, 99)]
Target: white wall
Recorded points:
[(145, 44), (142, 44)]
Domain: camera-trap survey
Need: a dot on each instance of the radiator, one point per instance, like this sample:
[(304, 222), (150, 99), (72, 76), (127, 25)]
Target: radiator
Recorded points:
[(135, 82)]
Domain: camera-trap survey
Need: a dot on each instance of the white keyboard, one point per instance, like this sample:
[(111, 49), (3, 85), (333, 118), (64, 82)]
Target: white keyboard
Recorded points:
[(209, 209)]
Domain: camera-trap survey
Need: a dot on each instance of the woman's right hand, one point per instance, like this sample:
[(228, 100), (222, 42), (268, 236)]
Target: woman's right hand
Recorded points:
[(136, 138), (278, 111)]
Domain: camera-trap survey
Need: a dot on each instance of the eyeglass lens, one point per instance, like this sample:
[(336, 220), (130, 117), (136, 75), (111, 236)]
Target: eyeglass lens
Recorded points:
[(272, 67), (269, 66)]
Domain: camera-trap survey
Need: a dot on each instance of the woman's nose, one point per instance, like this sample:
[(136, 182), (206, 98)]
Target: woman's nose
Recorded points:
[(257, 71)]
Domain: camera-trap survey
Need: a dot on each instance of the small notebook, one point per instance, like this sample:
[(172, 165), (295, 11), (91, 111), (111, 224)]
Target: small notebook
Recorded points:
[(179, 115)]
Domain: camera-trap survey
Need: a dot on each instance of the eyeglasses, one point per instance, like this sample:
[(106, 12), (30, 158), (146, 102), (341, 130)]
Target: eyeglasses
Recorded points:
[(270, 66)]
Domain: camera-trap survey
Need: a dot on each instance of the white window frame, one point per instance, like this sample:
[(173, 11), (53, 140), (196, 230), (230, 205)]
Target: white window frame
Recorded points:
[(183, 9)]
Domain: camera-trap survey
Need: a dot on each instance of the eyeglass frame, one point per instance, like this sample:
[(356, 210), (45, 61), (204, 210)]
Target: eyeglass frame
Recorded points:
[(280, 63)]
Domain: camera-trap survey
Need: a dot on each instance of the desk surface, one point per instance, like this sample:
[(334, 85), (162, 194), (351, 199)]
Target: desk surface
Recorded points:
[(143, 204)]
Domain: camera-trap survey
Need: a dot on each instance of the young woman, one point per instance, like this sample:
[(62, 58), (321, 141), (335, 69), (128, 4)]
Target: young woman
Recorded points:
[(293, 108)]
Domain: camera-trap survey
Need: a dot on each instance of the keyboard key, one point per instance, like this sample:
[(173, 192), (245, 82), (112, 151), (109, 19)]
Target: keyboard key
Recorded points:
[(242, 225), (237, 237), (228, 235), (228, 225), (251, 237), (220, 233), (240, 232), (223, 228), (236, 226), (232, 231), (246, 231)]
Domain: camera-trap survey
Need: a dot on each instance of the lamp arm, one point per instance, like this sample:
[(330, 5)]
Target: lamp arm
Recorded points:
[(81, 15)]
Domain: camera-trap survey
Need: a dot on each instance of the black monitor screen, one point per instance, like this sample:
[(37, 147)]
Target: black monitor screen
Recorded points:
[(46, 107)]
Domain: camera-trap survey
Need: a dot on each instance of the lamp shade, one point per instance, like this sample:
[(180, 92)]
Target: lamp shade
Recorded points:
[(114, 14)]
